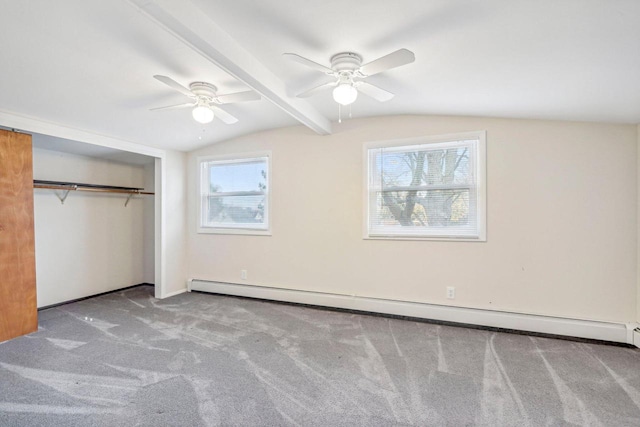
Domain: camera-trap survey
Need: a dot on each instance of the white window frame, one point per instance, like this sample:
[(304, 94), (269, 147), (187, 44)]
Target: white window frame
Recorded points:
[(262, 230), (444, 141)]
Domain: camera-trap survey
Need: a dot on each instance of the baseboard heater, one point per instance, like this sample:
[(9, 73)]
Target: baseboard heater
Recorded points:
[(588, 329)]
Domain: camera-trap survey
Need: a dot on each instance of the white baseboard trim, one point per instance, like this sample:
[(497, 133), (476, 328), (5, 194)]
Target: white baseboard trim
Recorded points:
[(636, 338), (605, 331), (174, 293)]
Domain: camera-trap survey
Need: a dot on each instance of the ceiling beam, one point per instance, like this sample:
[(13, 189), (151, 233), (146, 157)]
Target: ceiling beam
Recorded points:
[(194, 28)]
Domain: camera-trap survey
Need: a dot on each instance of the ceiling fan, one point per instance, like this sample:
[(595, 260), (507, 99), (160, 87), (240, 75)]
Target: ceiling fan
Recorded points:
[(205, 100), (349, 74)]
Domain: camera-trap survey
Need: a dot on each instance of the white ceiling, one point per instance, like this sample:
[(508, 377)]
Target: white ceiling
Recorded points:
[(88, 64)]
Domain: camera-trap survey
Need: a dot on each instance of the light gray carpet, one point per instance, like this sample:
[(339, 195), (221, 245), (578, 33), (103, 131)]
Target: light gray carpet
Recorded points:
[(127, 359)]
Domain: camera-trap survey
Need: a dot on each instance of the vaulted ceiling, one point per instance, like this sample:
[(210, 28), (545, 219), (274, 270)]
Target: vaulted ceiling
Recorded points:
[(89, 64)]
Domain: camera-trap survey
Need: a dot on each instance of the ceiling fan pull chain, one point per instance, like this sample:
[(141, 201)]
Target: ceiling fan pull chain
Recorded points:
[(339, 113), (349, 110)]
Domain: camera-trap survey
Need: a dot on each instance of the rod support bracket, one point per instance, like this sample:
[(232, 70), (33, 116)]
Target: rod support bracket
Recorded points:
[(128, 198), (64, 196)]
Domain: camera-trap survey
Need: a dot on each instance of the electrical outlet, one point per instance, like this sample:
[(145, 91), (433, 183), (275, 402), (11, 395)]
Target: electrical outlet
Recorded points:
[(451, 292), (243, 274)]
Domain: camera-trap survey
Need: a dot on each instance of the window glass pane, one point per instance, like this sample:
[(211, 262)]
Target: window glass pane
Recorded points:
[(432, 208), (395, 169), (236, 209), (245, 176), (422, 167)]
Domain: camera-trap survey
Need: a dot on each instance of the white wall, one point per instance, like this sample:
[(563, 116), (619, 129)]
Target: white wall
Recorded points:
[(638, 207), (562, 224), (174, 224), (92, 243)]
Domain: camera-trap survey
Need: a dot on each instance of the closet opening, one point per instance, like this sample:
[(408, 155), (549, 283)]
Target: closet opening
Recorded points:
[(95, 217)]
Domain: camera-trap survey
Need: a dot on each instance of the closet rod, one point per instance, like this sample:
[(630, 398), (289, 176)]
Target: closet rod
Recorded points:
[(76, 186), (79, 188)]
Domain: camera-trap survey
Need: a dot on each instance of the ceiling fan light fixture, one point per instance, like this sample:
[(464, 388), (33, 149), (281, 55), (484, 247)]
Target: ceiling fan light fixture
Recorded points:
[(202, 114), (345, 94)]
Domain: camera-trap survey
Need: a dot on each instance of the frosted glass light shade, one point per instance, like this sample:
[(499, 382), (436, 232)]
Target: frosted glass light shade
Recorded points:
[(202, 114), (345, 94)]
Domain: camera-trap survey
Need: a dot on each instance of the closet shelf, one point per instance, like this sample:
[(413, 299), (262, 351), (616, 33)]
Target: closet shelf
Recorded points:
[(67, 187)]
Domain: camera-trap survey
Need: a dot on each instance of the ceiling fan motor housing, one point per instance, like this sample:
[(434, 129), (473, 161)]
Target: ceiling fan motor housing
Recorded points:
[(346, 61), (202, 89)]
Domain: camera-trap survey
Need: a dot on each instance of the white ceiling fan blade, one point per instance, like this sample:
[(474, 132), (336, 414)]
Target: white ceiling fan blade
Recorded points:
[(309, 92), (173, 107), (309, 63), (374, 91), (387, 62), (223, 115), (174, 84), (238, 97)]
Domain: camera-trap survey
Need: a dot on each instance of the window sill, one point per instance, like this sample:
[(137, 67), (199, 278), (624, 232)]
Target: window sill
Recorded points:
[(237, 231), (428, 238)]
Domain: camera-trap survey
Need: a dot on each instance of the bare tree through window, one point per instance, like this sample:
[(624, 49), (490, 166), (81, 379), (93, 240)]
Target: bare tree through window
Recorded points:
[(422, 188)]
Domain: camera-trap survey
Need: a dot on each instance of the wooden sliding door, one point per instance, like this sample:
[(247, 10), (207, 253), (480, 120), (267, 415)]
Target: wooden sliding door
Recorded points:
[(18, 310)]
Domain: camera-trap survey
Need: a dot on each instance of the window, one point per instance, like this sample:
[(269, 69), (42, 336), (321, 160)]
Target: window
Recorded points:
[(427, 188), (234, 195)]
